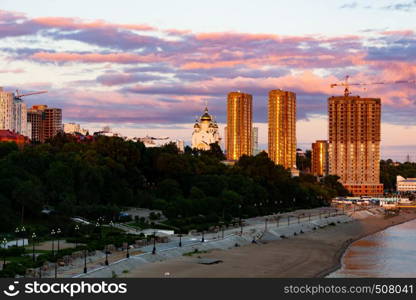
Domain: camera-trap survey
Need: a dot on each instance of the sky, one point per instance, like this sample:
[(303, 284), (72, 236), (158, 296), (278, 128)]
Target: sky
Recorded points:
[(147, 67)]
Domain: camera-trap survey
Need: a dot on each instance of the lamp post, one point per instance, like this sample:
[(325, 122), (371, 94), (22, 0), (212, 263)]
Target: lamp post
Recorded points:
[(265, 224), (53, 241), (23, 230), (100, 220), (106, 254), (4, 242), (241, 223), (203, 238), (180, 240), (33, 248), (76, 235), (85, 260), (58, 232), (17, 236), (288, 220), (127, 251), (154, 243)]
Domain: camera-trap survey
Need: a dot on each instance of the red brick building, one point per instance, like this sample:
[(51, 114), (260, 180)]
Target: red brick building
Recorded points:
[(9, 136)]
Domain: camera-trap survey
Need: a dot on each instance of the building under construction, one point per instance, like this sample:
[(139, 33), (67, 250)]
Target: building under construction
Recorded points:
[(354, 143)]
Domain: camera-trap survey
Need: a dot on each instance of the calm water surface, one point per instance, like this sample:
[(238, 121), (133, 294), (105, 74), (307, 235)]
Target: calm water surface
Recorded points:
[(389, 253)]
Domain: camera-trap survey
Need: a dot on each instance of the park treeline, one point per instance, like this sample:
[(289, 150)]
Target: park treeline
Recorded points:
[(99, 178)]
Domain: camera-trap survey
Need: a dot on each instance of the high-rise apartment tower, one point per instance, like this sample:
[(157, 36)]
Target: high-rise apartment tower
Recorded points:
[(282, 128), (239, 125), (354, 143), (49, 125)]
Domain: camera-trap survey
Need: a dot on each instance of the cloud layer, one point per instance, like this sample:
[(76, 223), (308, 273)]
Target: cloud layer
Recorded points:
[(106, 72)]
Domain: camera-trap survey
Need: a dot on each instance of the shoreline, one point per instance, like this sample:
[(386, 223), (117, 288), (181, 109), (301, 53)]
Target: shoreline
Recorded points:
[(314, 254), (338, 256)]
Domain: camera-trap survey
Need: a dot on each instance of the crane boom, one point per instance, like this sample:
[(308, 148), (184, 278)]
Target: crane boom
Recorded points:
[(347, 85), (29, 94)]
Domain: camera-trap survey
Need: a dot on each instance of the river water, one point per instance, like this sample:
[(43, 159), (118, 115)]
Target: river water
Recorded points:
[(388, 253)]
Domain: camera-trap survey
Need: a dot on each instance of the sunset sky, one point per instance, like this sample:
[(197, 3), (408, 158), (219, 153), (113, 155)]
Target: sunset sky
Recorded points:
[(147, 67)]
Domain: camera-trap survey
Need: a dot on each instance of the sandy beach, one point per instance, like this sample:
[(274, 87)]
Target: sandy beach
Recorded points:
[(313, 254)]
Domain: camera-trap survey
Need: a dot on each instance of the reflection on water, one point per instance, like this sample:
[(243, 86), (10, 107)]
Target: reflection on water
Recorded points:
[(389, 253)]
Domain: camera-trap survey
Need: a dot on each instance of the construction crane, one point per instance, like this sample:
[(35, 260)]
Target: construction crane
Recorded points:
[(347, 85), (18, 95)]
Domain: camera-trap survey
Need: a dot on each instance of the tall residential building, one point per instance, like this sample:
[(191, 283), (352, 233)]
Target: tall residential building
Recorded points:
[(6, 110), (13, 113), (239, 125), (354, 143), (20, 116), (34, 117), (205, 132), (319, 161), (282, 128), (50, 124), (256, 141)]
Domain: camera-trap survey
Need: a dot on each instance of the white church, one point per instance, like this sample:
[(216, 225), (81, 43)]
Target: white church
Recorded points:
[(205, 132)]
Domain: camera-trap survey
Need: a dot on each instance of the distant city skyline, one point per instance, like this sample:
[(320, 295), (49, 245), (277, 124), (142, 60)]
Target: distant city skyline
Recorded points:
[(149, 67)]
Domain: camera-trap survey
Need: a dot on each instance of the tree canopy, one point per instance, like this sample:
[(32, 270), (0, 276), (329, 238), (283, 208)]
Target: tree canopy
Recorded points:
[(101, 176)]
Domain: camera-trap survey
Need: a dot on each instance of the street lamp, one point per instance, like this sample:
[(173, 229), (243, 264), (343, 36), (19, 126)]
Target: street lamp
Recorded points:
[(241, 223), (203, 238), (33, 249), (4, 242), (17, 236), (127, 250), (76, 235), (180, 240), (154, 243), (99, 223), (85, 259), (53, 241), (58, 232), (106, 254), (265, 224), (23, 230)]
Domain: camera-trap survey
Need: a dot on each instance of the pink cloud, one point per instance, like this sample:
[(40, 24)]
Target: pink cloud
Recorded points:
[(121, 58), (75, 23), (15, 71)]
